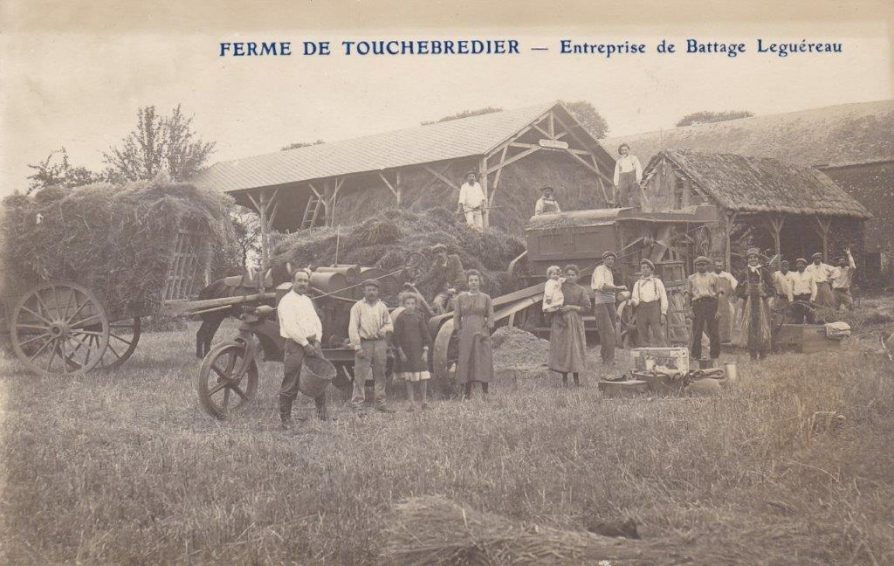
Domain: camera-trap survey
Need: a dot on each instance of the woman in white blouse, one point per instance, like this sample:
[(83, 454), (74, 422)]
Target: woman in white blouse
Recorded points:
[(628, 174)]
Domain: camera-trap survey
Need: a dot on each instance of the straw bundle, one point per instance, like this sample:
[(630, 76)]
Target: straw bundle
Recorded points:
[(434, 530)]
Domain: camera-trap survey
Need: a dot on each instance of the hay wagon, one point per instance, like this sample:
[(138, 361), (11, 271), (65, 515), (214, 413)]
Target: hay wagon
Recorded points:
[(58, 327)]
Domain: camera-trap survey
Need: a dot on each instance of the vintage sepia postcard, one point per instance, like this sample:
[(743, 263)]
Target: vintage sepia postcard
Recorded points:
[(447, 282)]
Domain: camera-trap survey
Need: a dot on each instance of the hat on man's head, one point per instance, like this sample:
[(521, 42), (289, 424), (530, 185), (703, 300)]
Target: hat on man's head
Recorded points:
[(438, 248), (702, 259), (817, 255), (800, 260), (547, 188), (608, 253), (753, 251), (648, 262), (370, 283), (784, 262), (471, 172)]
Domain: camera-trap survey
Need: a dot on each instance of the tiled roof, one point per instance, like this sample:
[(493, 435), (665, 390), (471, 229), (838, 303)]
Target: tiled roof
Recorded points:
[(465, 137)]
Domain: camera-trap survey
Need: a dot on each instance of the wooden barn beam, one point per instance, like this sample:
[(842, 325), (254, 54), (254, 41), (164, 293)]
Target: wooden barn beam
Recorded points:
[(542, 131), (730, 218), (482, 175), (823, 225), (441, 177), (516, 157), (774, 224), (499, 171), (394, 190)]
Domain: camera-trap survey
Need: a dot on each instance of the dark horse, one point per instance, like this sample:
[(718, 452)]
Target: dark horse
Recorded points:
[(233, 287)]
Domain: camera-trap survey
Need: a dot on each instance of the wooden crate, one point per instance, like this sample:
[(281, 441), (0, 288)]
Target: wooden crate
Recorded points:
[(805, 339)]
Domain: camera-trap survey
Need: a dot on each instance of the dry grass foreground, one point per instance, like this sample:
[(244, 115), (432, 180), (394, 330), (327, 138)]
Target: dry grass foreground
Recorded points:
[(124, 468)]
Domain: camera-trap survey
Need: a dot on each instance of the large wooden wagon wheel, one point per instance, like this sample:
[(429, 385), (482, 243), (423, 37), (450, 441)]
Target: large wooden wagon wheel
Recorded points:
[(124, 335), (446, 351), (227, 380), (59, 328)]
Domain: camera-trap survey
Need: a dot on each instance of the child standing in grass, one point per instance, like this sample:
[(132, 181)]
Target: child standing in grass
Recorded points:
[(412, 340), (553, 299)]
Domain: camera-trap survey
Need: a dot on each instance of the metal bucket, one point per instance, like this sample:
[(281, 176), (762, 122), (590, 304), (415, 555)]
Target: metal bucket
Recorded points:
[(730, 368), (316, 375)]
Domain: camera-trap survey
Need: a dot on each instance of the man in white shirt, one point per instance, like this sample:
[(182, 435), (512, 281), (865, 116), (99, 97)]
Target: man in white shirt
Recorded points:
[(547, 204), (369, 330), (783, 283), (302, 330), (472, 202), (604, 299), (842, 277), (822, 275), (649, 298), (628, 174), (804, 292)]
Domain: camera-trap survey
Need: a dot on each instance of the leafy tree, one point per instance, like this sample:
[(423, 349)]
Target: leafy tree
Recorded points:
[(296, 145), (465, 114), (158, 143), (57, 171), (589, 118), (707, 117), (247, 230)]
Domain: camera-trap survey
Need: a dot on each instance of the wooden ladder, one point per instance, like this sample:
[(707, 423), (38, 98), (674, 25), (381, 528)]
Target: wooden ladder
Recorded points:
[(311, 212)]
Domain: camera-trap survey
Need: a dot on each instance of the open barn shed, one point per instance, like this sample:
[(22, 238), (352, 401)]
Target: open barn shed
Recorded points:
[(515, 153), (780, 207)]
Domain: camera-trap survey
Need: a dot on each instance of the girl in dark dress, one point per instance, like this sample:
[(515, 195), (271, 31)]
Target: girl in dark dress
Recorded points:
[(412, 340), (567, 338)]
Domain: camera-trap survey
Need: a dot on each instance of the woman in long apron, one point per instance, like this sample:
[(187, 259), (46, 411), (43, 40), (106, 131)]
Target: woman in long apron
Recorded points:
[(567, 337), (755, 289), (474, 318)]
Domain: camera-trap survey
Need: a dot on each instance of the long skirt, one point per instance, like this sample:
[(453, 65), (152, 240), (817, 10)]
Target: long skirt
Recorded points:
[(567, 343), (754, 331), (475, 361)]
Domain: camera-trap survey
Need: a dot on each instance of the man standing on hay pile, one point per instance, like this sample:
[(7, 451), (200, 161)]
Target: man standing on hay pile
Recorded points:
[(472, 202), (369, 330), (628, 175), (302, 329), (822, 275), (604, 299)]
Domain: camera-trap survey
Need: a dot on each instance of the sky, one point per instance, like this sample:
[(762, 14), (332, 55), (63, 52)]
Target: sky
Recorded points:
[(78, 84)]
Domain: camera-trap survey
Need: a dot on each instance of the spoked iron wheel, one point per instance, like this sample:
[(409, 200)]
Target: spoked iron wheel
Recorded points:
[(226, 381), (124, 335), (59, 328)]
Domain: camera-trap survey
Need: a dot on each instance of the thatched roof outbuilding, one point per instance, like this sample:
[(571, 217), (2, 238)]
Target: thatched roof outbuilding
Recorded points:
[(761, 184)]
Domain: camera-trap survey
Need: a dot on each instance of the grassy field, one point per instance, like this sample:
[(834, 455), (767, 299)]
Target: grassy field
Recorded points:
[(124, 468)]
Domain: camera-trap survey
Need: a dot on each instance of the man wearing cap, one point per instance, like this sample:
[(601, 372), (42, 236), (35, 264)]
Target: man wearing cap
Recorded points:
[(822, 276), (783, 282), (842, 276), (649, 298), (369, 329), (472, 202), (704, 288), (603, 283), (804, 291), (446, 276), (547, 203), (726, 300), (300, 327)]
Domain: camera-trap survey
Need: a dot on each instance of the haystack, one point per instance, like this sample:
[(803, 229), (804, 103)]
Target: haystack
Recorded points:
[(391, 237), (433, 530), (115, 240)]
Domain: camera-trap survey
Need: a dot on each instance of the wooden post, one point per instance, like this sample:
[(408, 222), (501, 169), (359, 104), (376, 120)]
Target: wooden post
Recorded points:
[(774, 222), (822, 228), (482, 175), (730, 218)]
